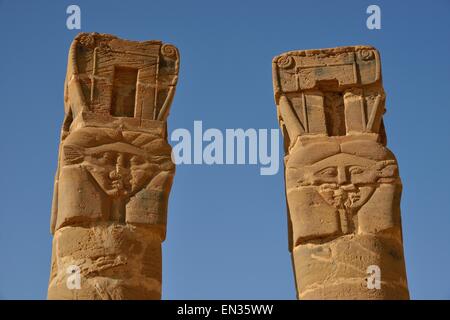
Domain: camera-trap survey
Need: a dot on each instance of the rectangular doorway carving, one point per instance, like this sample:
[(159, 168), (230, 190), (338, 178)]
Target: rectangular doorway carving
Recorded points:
[(124, 92)]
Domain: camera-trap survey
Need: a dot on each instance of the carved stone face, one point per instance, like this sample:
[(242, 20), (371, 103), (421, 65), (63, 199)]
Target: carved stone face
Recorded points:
[(328, 183), (344, 180), (119, 169), (114, 175)]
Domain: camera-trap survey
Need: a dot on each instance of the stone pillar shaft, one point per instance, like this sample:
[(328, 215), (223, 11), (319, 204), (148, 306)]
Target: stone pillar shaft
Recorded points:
[(114, 169), (342, 184)]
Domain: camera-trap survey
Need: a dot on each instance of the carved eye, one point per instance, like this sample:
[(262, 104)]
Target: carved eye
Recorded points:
[(327, 172), (135, 160), (356, 170), (108, 156)]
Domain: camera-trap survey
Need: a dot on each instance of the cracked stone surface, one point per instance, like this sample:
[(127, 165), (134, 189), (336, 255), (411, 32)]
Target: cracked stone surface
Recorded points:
[(342, 184)]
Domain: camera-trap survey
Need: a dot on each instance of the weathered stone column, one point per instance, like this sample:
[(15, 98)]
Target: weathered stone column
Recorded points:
[(342, 184), (114, 169)]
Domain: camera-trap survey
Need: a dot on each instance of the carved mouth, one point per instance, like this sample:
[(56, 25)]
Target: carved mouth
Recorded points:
[(345, 196)]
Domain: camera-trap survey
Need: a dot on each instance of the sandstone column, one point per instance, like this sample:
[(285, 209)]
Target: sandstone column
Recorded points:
[(114, 169), (342, 184)]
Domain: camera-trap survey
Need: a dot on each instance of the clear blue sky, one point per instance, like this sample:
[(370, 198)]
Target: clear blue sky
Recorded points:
[(227, 233)]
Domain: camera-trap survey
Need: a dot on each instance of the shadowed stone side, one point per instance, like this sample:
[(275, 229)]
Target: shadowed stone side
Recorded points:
[(115, 170), (342, 184)]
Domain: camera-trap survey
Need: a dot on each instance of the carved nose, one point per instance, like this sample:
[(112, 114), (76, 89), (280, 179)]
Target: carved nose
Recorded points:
[(114, 174), (342, 176)]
